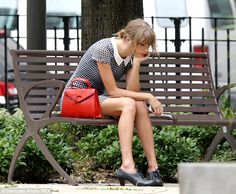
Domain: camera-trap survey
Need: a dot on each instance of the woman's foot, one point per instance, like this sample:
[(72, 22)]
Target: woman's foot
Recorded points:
[(134, 178), (155, 177)]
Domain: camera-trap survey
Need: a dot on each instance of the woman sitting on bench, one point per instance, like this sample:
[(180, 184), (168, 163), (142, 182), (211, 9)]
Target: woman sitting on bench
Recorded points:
[(104, 63)]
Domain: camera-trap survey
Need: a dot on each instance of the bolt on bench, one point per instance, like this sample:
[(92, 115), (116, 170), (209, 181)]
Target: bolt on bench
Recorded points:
[(185, 90)]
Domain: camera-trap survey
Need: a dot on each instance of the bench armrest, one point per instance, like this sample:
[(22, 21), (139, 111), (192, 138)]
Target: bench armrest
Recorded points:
[(51, 84), (56, 83), (166, 116), (221, 90)]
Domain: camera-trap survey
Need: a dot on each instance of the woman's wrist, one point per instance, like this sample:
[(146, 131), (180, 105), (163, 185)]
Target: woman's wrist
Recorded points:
[(148, 97), (136, 63)]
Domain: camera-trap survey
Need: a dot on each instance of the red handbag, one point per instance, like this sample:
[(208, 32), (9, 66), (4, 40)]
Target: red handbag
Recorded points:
[(81, 102)]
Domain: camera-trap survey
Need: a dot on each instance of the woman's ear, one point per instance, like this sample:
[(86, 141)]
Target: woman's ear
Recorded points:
[(128, 39)]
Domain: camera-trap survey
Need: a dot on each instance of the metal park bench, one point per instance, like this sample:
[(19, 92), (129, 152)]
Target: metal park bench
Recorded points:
[(181, 81)]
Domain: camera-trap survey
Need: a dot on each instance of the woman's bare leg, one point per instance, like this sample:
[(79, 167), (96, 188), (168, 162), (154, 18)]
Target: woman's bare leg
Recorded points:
[(126, 109), (145, 133)]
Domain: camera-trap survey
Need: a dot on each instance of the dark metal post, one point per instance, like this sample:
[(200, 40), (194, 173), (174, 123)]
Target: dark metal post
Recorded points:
[(55, 37), (190, 34), (18, 31), (36, 24), (177, 22), (66, 20), (203, 39), (216, 56), (166, 39), (78, 19), (6, 76), (228, 56), (228, 62), (177, 41)]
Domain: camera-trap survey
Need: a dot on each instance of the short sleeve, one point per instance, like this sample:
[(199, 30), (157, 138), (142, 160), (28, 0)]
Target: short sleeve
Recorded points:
[(102, 53)]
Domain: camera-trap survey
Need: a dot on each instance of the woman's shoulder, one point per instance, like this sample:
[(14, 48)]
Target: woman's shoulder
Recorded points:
[(103, 44)]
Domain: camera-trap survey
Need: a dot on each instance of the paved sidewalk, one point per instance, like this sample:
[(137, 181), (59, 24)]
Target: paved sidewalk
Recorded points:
[(85, 189)]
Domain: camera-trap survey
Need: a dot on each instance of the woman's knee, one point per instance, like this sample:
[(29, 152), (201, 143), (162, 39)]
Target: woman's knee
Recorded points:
[(128, 104)]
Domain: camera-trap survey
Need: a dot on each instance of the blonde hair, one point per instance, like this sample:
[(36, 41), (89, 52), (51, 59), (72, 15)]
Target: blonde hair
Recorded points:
[(139, 31)]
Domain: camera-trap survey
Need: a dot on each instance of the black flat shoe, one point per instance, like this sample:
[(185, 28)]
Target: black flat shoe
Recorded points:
[(156, 177), (136, 178)]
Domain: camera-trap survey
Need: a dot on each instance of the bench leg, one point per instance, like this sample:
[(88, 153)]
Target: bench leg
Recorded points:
[(215, 142), (17, 152), (225, 132), (51, 159), (229, 137)]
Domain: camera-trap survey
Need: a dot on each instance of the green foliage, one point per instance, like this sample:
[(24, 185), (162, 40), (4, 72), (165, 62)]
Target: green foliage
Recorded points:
[(226, 108), (103, 146), (31, 166), (203, 135), (90, 148), (174, 144), (172, 148), (224, 153), (8, 139)]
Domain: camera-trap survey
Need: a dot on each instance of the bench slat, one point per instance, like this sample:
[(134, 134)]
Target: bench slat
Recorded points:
[(173, 77), (72, 67), (188, 101), (61, 75), (43, 100), (176, 61), (168, 69), (51, 67), (176, 85), (45, 76), (44, 107), (183, 93), (50, 59), (196, 109)]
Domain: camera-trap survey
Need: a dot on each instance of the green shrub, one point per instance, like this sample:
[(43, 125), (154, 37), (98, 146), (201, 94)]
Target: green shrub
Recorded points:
[(31, 166), (226, 108), (224, 153), (174, 144), (203, 135), (98, 147), (172, 148), (104, 148)]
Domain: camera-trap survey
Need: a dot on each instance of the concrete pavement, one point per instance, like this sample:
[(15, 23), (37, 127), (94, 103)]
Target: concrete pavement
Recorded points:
[(85, 189)]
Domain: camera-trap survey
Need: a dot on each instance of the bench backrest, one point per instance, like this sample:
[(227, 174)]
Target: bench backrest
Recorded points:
[(181, 81)]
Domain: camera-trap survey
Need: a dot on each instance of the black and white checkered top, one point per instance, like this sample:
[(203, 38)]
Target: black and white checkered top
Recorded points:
[(106, 52)]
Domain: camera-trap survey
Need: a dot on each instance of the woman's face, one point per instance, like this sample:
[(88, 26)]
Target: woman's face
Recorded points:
[(142, 50)]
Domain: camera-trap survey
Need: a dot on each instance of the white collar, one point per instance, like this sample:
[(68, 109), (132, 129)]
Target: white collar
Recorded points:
[(117, 56)]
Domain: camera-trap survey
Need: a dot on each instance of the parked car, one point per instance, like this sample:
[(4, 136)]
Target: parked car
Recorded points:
[(8, 99)]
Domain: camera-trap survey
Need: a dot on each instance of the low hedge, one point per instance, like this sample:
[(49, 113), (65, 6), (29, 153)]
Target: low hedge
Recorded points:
[(86, 149)]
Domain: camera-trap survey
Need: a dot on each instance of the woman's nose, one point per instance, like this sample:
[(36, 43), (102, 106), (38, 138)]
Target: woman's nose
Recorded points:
[(146, 48)]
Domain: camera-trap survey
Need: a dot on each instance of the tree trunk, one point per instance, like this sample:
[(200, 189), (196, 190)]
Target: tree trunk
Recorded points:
[(102, 18)]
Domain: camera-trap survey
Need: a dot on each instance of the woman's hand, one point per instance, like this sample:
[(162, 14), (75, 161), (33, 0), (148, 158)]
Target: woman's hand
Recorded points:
[(156, 105), (140, 58)]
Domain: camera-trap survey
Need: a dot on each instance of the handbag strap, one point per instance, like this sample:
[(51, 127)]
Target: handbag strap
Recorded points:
[(80, 79)]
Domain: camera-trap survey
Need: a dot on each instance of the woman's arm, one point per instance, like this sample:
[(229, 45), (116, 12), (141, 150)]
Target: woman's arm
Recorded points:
[(113, 91), (111, 87), (133, 78)]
